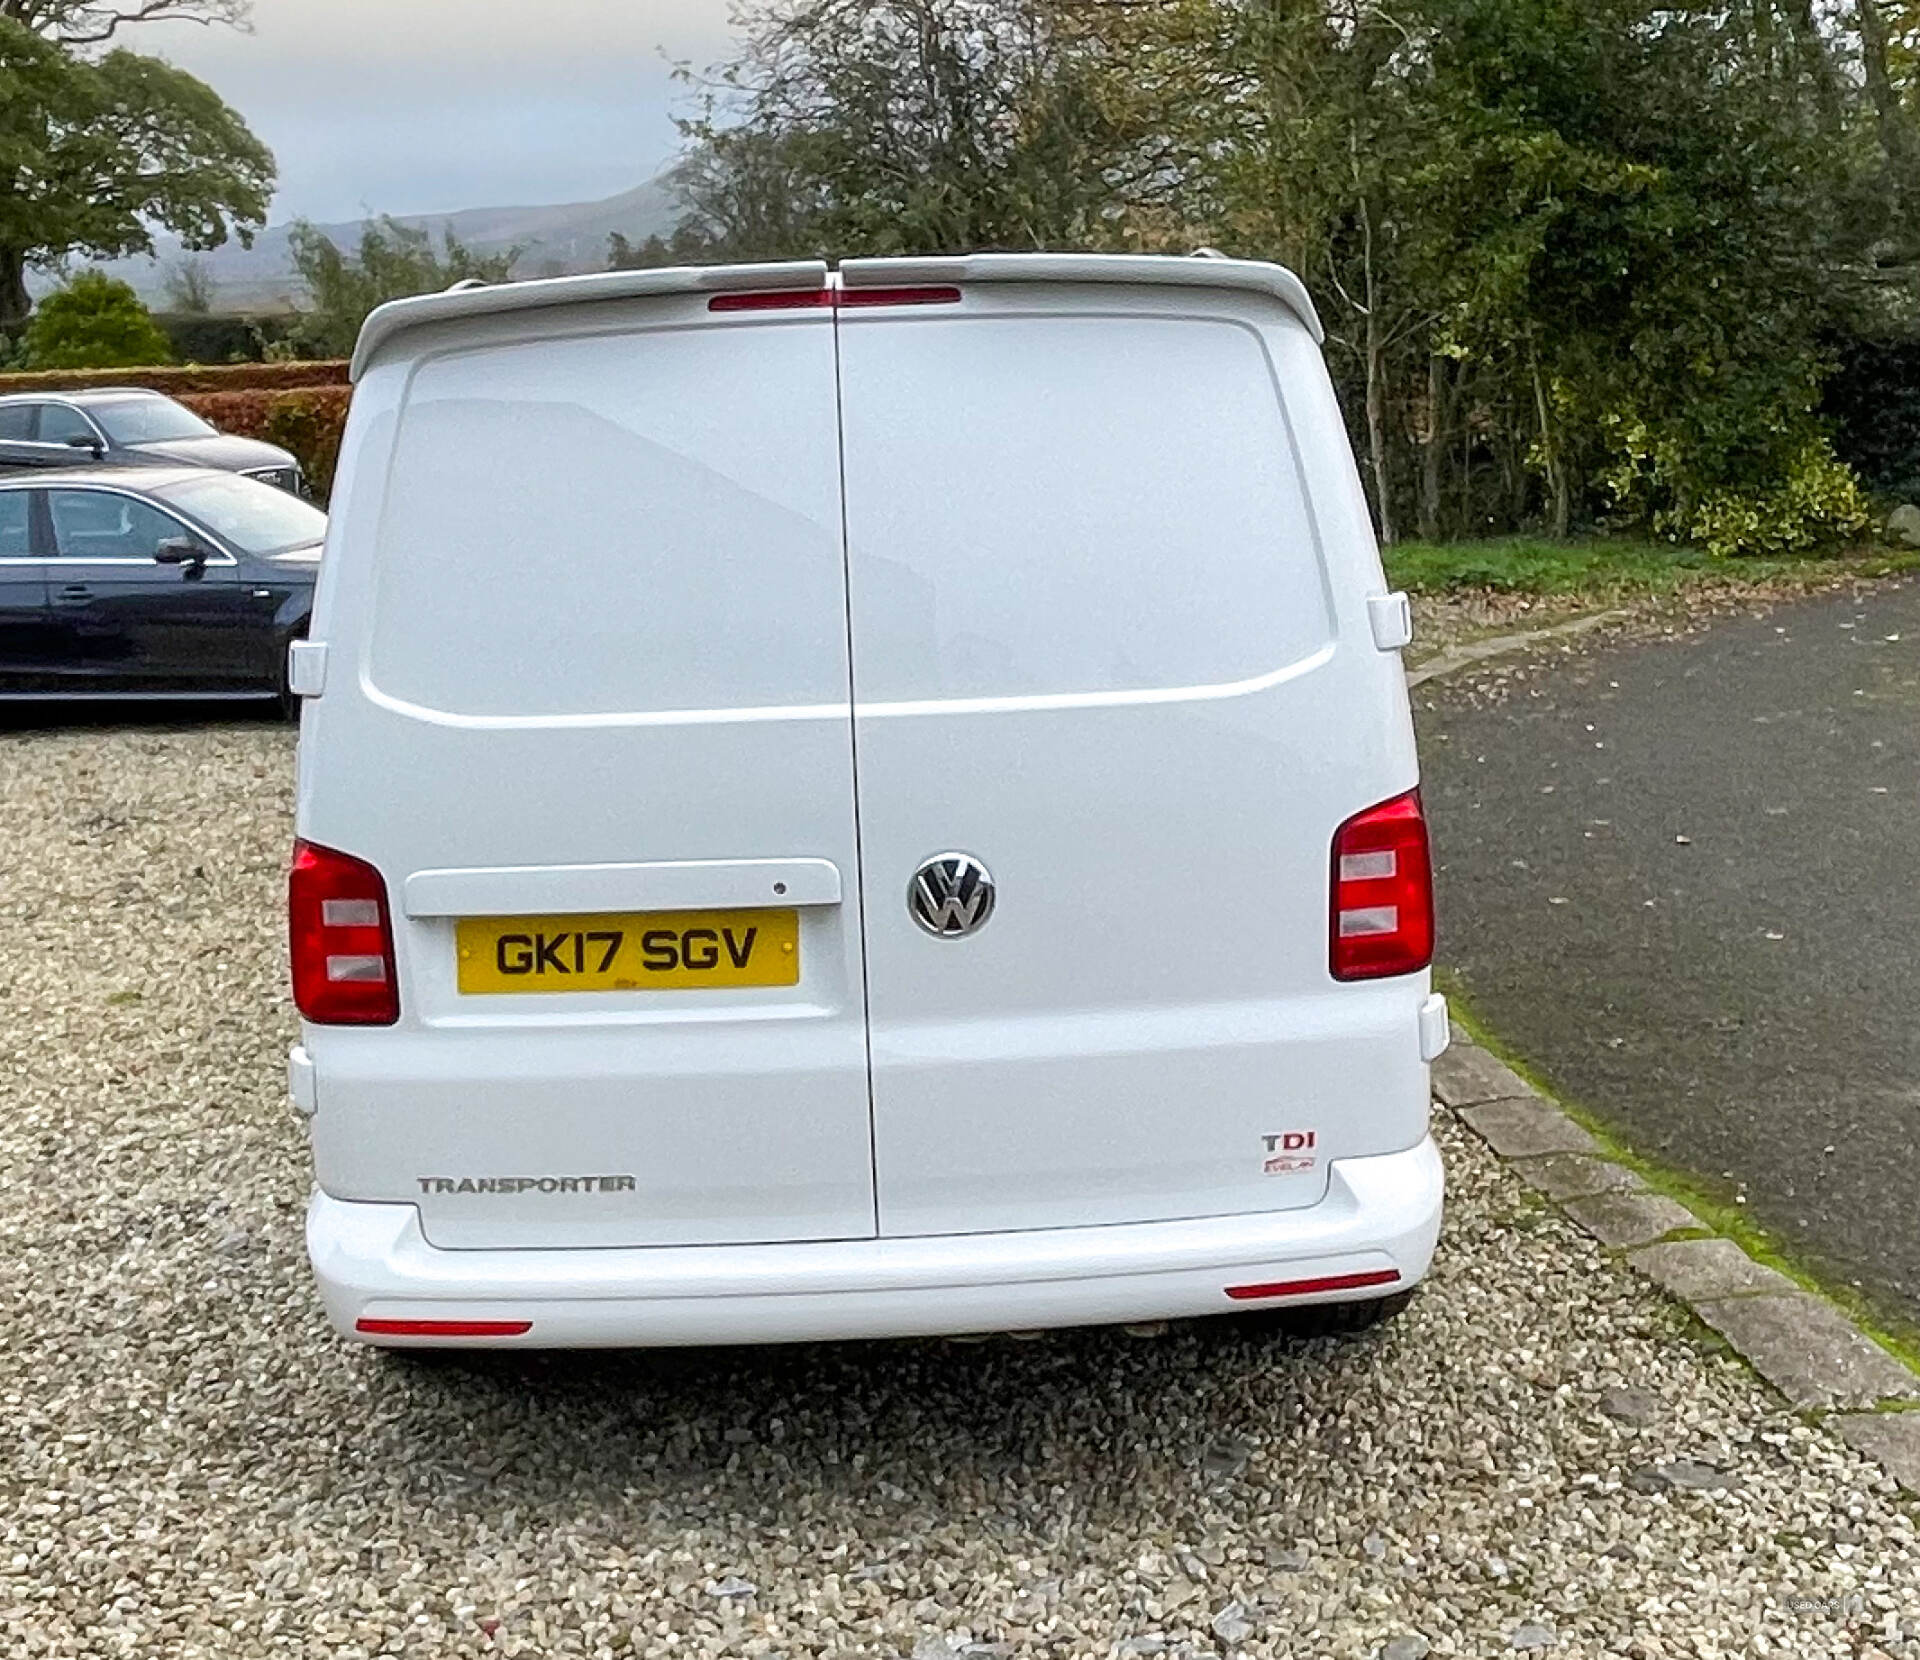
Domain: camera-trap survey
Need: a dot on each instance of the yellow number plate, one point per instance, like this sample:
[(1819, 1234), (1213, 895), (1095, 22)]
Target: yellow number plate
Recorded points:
[(634, 951)]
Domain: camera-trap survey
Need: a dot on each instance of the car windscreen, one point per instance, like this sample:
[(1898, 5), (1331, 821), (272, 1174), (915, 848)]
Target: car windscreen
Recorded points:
[(147, 421), (254, 517)]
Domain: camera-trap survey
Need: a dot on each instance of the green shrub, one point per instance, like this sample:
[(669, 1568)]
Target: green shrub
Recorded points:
[(1817, 504), (94, 322), (1782, 491)]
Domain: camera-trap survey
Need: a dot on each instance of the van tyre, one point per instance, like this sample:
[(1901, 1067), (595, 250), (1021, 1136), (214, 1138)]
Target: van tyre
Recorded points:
[(1335, 1319)]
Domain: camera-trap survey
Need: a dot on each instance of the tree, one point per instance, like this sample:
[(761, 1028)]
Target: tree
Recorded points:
[(1589, 244), (97, 153), (91, 22), (190, 286), (1665, 186), (896, 126), (94, 322), (393, 261), (1578, 259), (688, 244)]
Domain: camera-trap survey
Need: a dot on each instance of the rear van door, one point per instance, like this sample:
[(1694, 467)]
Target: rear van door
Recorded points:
[(587, 712), (1097, 652)]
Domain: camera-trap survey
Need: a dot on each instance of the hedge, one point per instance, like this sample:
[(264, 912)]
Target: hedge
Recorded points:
[(306, 421), (209, 378)]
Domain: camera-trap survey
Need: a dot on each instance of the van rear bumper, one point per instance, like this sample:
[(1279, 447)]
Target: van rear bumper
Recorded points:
[(1380, 1218)]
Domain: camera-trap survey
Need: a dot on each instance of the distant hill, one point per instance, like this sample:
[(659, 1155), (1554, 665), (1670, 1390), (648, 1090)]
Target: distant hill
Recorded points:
[(556, 240)]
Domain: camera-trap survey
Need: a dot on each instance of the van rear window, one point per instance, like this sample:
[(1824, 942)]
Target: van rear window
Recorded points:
[(645, 522), (1071, 504)]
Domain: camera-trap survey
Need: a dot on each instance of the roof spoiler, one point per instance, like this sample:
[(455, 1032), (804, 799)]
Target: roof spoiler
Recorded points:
[(1206, 268)]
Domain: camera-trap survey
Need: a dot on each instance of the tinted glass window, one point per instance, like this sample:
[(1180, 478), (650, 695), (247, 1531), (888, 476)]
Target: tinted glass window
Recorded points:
[(1071, 506), (254, 517), (605, 525), (149, 421), (94, 524), (16, 538), (16, 422), (58, 423)]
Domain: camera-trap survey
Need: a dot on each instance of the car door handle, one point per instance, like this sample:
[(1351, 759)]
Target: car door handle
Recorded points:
[(75, 593)]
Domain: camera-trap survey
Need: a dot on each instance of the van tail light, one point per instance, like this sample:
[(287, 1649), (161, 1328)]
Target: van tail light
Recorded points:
[(341, 935), (1382, 892)]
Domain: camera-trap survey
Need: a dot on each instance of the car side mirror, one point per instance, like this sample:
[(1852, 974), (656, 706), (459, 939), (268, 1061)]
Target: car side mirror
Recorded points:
[(182, 550), (91, 445)]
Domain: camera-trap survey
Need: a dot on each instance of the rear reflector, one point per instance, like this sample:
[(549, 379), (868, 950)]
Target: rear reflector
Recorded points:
[(443, 1328), (341, 940), (899, 296), (773, 299), (808, 299), (1382, 892), (1307, 1288)]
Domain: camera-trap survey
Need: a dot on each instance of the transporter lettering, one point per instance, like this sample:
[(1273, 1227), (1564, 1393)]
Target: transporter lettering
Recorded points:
[(526, 1184)]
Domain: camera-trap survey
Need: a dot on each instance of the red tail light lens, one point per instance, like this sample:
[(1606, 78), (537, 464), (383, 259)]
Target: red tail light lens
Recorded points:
[(1382, 892), (342, 940), (1310, 1288), (809, 299), (899, 296), (773, 299), (443, 1328)]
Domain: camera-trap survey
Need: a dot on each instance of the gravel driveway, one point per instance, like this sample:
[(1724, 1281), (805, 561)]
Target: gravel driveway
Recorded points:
[(1540, 1455)]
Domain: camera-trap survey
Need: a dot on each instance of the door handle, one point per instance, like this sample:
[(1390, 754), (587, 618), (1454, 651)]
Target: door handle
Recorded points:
[(75, 593)]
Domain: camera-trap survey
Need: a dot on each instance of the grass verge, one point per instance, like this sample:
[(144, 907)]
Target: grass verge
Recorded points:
[(1609, 568), (1899, 1338)]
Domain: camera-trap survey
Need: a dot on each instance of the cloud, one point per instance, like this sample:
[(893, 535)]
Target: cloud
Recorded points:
[(413, 106)]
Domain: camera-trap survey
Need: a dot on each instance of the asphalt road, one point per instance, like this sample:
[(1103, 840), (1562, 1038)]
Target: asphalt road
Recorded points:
[(1682, 878)]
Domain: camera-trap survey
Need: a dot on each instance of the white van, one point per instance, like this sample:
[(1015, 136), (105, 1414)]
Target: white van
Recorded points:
[(857, 803)]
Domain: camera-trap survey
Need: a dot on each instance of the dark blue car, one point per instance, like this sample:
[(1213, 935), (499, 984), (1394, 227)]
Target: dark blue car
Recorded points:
[(151, 582)]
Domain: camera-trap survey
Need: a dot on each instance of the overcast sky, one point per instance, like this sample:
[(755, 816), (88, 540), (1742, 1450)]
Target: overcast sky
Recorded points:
[(426, 106)]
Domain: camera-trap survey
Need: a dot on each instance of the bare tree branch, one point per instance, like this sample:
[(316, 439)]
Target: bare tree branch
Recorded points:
[(94, 22)]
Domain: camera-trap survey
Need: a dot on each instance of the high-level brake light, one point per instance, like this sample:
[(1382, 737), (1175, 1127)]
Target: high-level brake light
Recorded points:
[(773, 299), (808, 299), (899, 296)]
